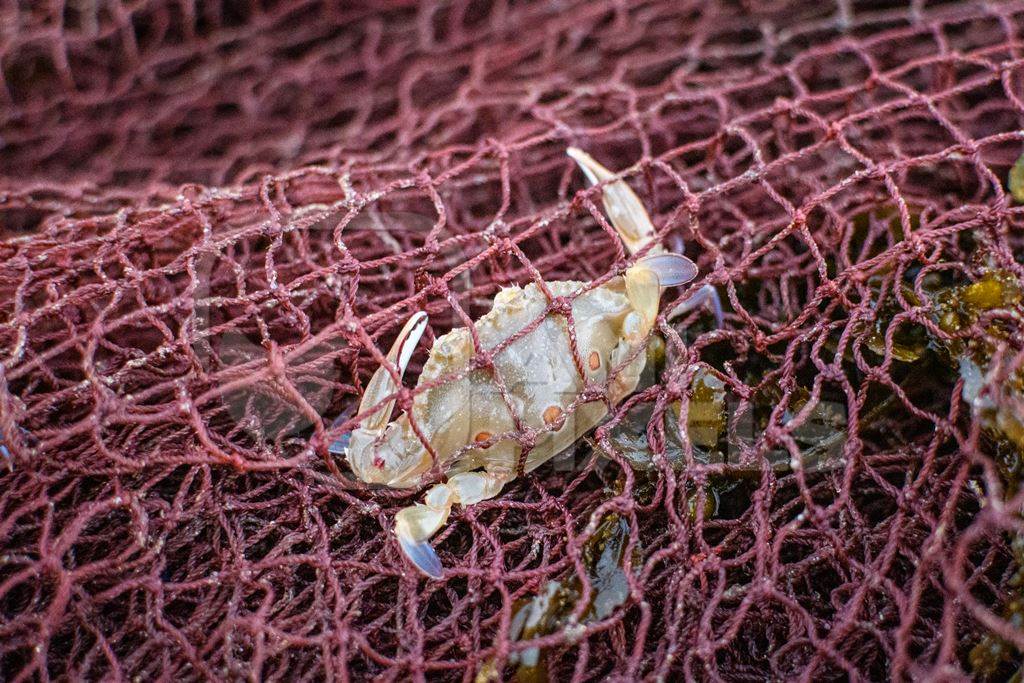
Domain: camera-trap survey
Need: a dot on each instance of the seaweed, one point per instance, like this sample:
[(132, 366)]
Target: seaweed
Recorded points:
[(711, 441), (959, 308), (555, 607), (1016, 180), (955, 309), (996, 405)]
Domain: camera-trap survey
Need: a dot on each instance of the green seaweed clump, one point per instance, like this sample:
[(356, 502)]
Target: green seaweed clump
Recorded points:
[(957, 309), (997, 407), (909, 342)]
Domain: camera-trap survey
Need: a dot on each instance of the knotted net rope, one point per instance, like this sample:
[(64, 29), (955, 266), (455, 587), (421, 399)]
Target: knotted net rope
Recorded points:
[(215, 218)]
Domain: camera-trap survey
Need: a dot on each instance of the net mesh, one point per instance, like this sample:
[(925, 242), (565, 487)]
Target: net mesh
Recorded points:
[(216, 215)]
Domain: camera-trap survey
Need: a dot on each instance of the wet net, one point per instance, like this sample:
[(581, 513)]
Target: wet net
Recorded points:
[(215, 217)]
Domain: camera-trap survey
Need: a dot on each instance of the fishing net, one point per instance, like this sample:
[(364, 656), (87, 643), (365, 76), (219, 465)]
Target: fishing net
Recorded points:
[(215, 218)]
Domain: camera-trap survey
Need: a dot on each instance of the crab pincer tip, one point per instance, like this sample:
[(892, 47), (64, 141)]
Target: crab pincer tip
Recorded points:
[(423, 557)]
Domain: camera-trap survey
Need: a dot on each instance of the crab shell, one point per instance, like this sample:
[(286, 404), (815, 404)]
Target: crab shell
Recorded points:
[(541, 379)]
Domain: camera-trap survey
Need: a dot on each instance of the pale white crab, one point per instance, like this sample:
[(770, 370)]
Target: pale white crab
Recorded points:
[(474, 427)]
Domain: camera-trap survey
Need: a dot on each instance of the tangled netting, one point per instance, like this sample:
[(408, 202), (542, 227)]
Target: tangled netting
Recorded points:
[(216, 216)]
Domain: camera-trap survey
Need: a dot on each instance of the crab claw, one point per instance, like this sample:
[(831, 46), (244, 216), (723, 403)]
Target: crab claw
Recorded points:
[(624, 208), (382, 384), (340, 445), (634, 226), (361, 446)]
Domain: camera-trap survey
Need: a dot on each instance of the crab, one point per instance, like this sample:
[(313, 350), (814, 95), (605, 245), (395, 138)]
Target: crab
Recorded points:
[(475, 420)]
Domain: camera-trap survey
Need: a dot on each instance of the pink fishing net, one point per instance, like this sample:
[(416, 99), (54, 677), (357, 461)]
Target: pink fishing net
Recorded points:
[(216, 216)]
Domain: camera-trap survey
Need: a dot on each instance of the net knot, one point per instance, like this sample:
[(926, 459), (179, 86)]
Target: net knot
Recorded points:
[(190, 194), (482, 361), (497, 236), (404, 400), (527, 439), (348, 266), (560, 305)]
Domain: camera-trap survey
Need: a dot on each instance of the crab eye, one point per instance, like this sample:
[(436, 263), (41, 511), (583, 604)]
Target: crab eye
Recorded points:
[(551, 414), (594, 360)]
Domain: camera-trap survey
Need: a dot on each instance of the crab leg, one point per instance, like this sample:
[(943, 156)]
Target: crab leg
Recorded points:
[(416, 524), (631, 221), (706, 295), (633, 224)]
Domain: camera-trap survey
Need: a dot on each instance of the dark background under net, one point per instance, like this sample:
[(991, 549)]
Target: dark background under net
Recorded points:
[(212, 212)]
